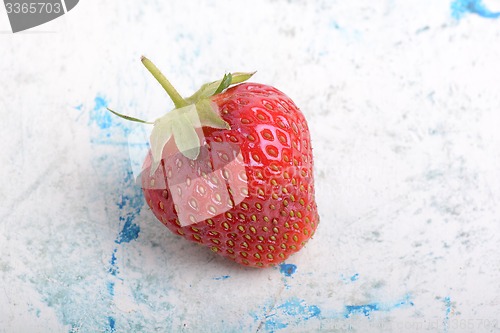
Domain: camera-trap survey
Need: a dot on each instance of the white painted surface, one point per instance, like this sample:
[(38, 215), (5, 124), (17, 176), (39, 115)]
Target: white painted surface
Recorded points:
[(403, 103)]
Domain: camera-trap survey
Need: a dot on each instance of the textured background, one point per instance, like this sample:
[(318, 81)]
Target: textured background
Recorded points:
[(403, 102)]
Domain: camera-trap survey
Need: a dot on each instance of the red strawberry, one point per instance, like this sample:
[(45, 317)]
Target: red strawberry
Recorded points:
[(232, 170)]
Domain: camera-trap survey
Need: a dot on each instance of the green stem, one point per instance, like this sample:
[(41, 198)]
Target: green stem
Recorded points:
[(169, 88)]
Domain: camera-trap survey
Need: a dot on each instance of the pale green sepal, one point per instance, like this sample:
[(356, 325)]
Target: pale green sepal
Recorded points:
[(190, 114), (209, 89), (162, 131), (137, 120), (207, 112), (206, 90), (239, 77), (183, 129)]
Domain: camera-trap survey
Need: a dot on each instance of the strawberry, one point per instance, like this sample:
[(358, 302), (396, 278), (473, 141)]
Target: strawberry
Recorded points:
[(231, 168)]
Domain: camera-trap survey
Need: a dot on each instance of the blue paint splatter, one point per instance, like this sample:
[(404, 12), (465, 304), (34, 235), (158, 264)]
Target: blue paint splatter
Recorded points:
[(288, 269), (403, 302), (461, 7), (223, 277), (296, 308), (365, 309), (111, 288), (100, 103), (130, 205), (132, 195), (99, 114), (113, 269), (79, 107), (111, 322), (446, 321), (131, 200), (293, 311), (273, 325), (349, 279), (112, 130), (129, 232)]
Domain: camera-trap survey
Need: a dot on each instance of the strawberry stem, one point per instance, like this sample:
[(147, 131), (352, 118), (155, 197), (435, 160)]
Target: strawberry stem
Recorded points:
[(179, 102), (189, 114)]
